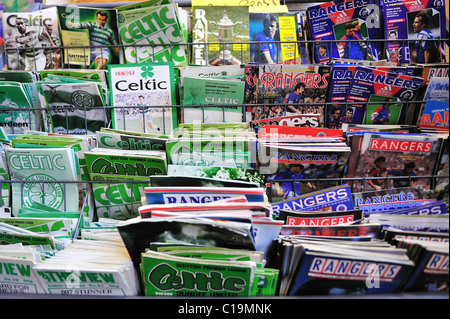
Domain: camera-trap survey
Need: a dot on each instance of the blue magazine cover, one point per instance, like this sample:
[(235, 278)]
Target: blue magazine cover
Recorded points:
[(341, 29), (275, 38), (338, 198), (200, 195), (325, 273), (435, 115), (434, 208), (341, 79), (370, 86), (419, 22)]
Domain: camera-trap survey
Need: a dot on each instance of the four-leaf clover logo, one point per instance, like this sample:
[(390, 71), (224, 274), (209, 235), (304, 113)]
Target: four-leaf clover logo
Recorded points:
[(147, 72)]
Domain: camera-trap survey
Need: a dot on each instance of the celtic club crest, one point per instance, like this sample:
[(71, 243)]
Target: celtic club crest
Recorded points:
[(42, 189), (82, 98)]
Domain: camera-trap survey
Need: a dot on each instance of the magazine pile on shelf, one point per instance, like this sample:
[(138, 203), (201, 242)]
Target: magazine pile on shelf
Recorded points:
[(150, 150)]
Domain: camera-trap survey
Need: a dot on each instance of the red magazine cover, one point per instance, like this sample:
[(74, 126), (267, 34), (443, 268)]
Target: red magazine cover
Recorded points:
[(393, 156), (282, 132)]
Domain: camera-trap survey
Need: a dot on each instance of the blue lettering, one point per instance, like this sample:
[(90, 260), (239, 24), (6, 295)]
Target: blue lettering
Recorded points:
[(392, 270), (195, 200), (343, 267), (389, 80), (329, 267), (370, 77), (317, 264), (376, 199), (380, 78), (355, 268), (360, 75), (434, 263), (398, 82)]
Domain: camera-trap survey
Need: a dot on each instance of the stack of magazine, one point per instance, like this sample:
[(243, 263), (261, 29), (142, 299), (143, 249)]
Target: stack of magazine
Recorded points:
[(120, 177), (215, 248), (217, 154)]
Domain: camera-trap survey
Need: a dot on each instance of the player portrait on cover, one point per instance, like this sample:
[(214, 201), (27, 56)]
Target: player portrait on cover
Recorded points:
[(292, 187), (138, 111), (323, 53), (393, 48), (98, 28), (294, 170), (352, 44), (407, 171), (378, 170), (23, 35), (339, 115), (296, 97), (273, 37), (265, 48), (50, 39), (286, 90), (394, 56), (335, 116), (387, 113), (423, 26), (149, 114), (394, 156)]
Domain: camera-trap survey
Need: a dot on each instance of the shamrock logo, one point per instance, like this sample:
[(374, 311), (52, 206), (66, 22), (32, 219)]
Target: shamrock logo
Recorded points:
[(82, 98), (147, 72)]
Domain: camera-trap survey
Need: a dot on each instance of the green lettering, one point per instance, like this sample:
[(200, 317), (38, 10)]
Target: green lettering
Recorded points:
[(165, 17), (125, 36), (102, 166), (143, 29), (233, 283), (24, 270), (129, 169), (104, 141), (107, 277), (93, 277), (164, 277), (134, 31)]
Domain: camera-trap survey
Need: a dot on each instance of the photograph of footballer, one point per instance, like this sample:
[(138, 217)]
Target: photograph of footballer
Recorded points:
[(353, 44), (423, 27)]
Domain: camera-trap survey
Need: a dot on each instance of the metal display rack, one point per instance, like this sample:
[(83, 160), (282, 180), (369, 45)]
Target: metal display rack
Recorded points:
[(295, 5)]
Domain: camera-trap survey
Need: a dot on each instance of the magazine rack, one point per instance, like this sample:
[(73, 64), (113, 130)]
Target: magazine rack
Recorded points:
[(245, 118)]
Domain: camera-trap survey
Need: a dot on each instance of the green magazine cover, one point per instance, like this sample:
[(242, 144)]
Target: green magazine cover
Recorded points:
[(217, 172), (221, 99), (94, 34), (142, 95), (166, 275), (152, 34), (79, 143), (74, 108), (16, 109), (112, 170), (56, 227), (4, 176), (43, 175), (130, 141)]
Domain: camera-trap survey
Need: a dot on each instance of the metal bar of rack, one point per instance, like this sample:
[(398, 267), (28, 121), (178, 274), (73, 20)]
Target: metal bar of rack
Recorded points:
[(326, 106)]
